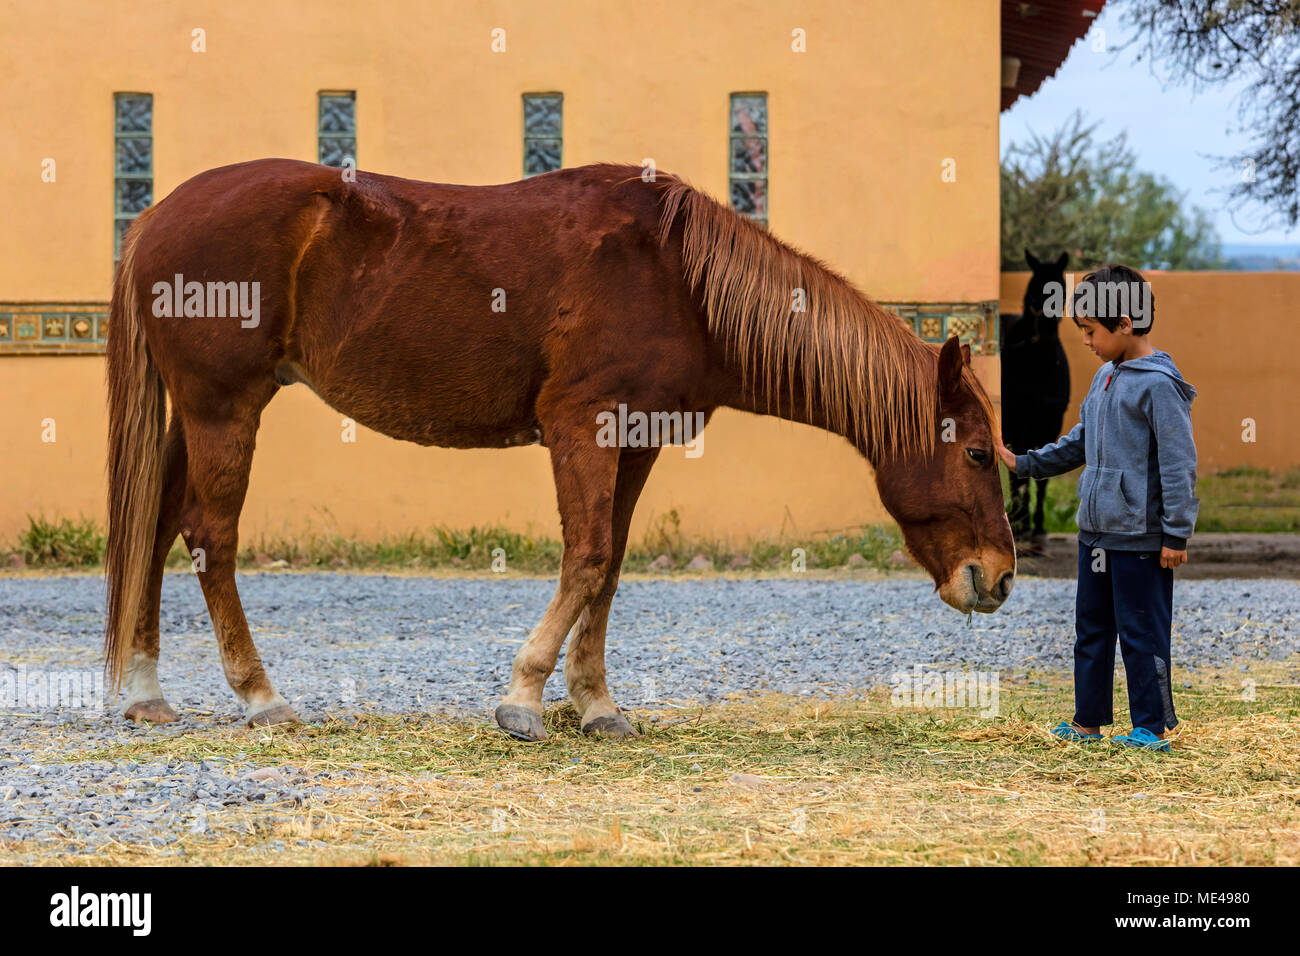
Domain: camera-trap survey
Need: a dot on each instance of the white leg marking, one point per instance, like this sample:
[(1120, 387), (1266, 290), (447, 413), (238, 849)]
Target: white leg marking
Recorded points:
[(252, 708), (142, 679)]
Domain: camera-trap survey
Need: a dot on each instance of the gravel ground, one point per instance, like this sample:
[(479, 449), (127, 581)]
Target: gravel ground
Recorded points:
[(338, 644)]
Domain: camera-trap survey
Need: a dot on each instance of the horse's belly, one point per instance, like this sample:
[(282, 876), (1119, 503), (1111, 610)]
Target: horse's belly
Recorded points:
[(422, 409)]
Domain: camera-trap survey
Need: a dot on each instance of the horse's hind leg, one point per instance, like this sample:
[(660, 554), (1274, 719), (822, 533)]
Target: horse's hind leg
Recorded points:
[(584, 664), (144, 696), (220, 455), (585, 476)]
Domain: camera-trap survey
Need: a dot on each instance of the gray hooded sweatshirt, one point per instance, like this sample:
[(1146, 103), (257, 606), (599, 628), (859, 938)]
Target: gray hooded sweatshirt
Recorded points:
[(1138, 491)]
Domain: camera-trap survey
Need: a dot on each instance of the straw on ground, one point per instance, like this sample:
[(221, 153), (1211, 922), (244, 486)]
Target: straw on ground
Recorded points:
[(769, 780)]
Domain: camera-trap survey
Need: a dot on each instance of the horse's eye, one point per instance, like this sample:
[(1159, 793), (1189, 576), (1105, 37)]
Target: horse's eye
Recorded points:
[(977, 455)]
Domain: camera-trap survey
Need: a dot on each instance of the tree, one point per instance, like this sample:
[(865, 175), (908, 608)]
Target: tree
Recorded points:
[(1065, 192), (1209, 42)]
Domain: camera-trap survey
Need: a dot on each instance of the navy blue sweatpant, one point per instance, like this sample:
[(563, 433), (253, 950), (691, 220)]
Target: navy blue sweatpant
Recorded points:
[(1124, 594)]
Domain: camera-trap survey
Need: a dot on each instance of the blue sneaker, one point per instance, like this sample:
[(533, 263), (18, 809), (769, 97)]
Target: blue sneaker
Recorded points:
[(1143, 739), (1065, 731)]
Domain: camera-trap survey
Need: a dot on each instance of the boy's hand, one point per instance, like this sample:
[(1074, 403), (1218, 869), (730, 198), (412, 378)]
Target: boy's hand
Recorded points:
[(1169, 558), (1003, 453)]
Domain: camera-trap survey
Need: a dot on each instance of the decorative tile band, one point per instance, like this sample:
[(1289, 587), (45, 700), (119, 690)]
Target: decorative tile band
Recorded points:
[(47, 328), (975, 323), (52, 328)]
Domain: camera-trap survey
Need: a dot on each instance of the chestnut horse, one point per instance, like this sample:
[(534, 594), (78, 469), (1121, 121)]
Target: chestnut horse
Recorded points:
[(484, 317)]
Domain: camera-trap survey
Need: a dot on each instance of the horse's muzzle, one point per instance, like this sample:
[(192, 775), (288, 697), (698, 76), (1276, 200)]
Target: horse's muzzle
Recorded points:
[(969, 589)]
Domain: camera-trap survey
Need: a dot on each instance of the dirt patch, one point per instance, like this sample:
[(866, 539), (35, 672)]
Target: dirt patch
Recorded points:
[(1210, 556)]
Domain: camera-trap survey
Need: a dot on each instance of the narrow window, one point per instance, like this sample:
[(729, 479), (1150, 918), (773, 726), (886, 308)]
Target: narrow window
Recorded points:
[(132, 162), (749, 155), (336, 129), (543, 132)]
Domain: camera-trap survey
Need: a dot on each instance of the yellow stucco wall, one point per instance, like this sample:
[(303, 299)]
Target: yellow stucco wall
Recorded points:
[(1230, 334), (859, 124), (860, 127)]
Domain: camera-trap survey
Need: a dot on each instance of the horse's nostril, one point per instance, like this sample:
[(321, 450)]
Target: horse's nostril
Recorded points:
[(1004, 584)]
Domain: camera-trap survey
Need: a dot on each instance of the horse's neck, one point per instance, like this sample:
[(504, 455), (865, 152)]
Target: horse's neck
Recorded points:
[(780, 400)]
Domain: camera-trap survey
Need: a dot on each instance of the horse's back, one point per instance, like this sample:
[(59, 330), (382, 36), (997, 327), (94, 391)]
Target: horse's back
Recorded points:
[(431, 312)]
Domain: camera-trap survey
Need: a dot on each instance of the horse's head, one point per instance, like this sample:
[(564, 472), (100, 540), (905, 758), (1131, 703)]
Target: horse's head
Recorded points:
[(949, 502), (1039, 290)]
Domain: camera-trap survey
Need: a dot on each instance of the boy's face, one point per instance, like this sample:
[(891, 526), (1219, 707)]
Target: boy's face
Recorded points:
[(1105, 344)]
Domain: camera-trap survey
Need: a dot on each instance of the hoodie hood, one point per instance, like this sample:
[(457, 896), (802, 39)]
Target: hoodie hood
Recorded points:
[(1159, 361)]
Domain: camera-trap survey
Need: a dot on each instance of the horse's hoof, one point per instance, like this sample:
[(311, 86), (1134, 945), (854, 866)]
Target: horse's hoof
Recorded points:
[(275, 714), (520, 722), (611, 725), (156, 711)]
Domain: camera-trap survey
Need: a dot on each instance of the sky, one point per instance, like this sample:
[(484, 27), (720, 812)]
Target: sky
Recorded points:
[(1174, 132)]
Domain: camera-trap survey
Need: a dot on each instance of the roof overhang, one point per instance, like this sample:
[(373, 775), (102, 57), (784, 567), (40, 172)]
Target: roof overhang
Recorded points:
[(1036, 38)]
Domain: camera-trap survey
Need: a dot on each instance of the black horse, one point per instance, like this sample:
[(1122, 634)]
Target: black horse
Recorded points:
[(1035, 390)]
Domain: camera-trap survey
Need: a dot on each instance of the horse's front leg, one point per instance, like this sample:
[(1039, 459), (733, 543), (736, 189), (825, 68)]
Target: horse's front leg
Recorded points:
[(1018, 510), (584, 665), (1040, 512), (585, 476)]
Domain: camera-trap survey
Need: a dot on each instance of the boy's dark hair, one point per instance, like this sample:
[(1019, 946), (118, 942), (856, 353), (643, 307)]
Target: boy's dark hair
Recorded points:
[(1111, 292)]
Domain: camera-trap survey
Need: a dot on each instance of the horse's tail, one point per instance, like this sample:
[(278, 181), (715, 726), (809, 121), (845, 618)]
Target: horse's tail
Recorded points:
[(137, 413)]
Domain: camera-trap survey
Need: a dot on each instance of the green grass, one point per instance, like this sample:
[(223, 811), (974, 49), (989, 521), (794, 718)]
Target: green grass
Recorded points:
[(61, 543), (759, 779), (476, 548), (470, 549), (1240, 499), (1250, 499), (68, 543)]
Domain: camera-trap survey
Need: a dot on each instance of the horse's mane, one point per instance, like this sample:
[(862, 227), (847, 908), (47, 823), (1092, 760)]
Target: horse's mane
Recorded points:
[(874, 376)]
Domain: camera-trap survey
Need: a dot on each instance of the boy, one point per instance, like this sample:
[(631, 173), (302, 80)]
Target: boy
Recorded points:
[(1137, 508)]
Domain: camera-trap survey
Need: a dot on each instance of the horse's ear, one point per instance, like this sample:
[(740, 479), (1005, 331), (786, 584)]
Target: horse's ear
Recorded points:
[(965, 354), (951, 360), (1031, 260), (1062, 259)]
